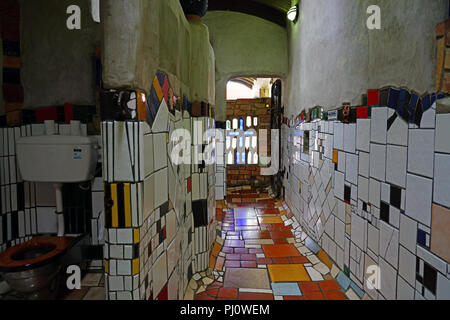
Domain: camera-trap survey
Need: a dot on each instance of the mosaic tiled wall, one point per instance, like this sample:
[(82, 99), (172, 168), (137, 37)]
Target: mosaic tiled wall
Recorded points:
[(239, 173), (10, 34), (221, 168), (28, 209), (371, 187), (159, 214)]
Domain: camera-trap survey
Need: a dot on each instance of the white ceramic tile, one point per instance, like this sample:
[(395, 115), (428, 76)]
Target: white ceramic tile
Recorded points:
[(159, 151), (46, 220), (363, 135), (404, 290), (162, 117), (123, 267), (396, 165), (339, 136), (443, 288), (442, 179), (350, 137), (161, 187), (428, 119), (421, 152), (373, 238), (358, 231), (123, 151), (443, 133), (385, 193), (148, 154), (364, 160), (408, 233), (388, 283), (124, 236), (389, 243), (378, 127), (407, 265), (378, 161), (341, 161), (418, 198), (398, 133), (339, 185), (374, 192), (351, 168), (363, 189)]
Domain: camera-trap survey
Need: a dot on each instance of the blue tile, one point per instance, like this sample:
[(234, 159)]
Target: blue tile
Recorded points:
[(343, 280), (421, 237), (161, 78), (412, 106), (357, 290), (440, 95), (311, 245), (433, 98), (286, 289), (393, 98), (426, 102)]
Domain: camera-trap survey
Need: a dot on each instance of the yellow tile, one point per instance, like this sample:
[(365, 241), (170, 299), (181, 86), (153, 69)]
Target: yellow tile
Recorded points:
[(135, 266), (106, 266), (274, 220), (158, 89), (136, 235), (287, 273), (440, 61), (335, 156), (127, 202), (323, 256), (115, 208)]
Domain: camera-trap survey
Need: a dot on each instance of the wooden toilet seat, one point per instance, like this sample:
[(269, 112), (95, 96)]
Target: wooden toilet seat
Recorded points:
[(57, 245)]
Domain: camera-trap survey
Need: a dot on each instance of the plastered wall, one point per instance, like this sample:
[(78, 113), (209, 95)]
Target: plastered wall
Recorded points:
[(333, 57), (244, 45)]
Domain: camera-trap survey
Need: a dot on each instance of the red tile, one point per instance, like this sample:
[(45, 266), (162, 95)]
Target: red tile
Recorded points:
[(281, 234), (308, 286), (280, 260), (204, 296), (334, 295), (362, 112), (213, 291), (264, 261), (248, 264), (293, 298), (255, 296), (297, 260), (313, 296), (228, 293), (329, 285), (68, 112), (46, 114), (163, 295), (373, 97)]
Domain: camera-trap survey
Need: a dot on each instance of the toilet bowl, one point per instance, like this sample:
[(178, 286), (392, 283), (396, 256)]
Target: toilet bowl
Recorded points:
[(32, 268)]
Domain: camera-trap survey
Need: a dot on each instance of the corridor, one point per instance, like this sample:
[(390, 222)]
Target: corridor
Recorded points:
[(264, 255)]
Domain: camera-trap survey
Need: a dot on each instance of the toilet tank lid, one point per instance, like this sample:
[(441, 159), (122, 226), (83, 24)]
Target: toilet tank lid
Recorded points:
[(57, 140)]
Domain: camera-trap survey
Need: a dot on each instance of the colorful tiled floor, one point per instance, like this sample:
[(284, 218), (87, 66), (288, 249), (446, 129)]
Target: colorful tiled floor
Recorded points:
[(261, 256)]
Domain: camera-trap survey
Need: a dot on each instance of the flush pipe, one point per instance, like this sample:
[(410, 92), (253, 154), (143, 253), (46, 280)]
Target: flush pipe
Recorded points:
[(59, 209)]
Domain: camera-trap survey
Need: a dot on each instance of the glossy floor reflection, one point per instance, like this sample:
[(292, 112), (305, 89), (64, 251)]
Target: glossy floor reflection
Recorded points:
[(262, 255)]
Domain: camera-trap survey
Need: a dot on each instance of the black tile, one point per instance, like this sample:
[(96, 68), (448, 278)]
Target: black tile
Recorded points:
[(396, 197), (384, 96), (347, 193), (419, 113), (429, 278), (365, 206), (11, 48), (15, 225), (200, 211), (391, 120), (384, 212), (11, 75)]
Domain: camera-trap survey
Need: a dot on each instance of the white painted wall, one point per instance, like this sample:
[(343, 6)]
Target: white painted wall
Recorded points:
[(244, 45), (334, 58)]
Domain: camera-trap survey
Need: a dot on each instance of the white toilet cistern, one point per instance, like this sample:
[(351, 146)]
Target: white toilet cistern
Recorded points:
[(58, 159)]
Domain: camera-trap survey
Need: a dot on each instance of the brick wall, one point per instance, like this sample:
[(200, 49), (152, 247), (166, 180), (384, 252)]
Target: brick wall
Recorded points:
[(238, 175)]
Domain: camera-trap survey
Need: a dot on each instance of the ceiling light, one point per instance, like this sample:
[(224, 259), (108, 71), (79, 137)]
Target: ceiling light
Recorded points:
[(293, 14)]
